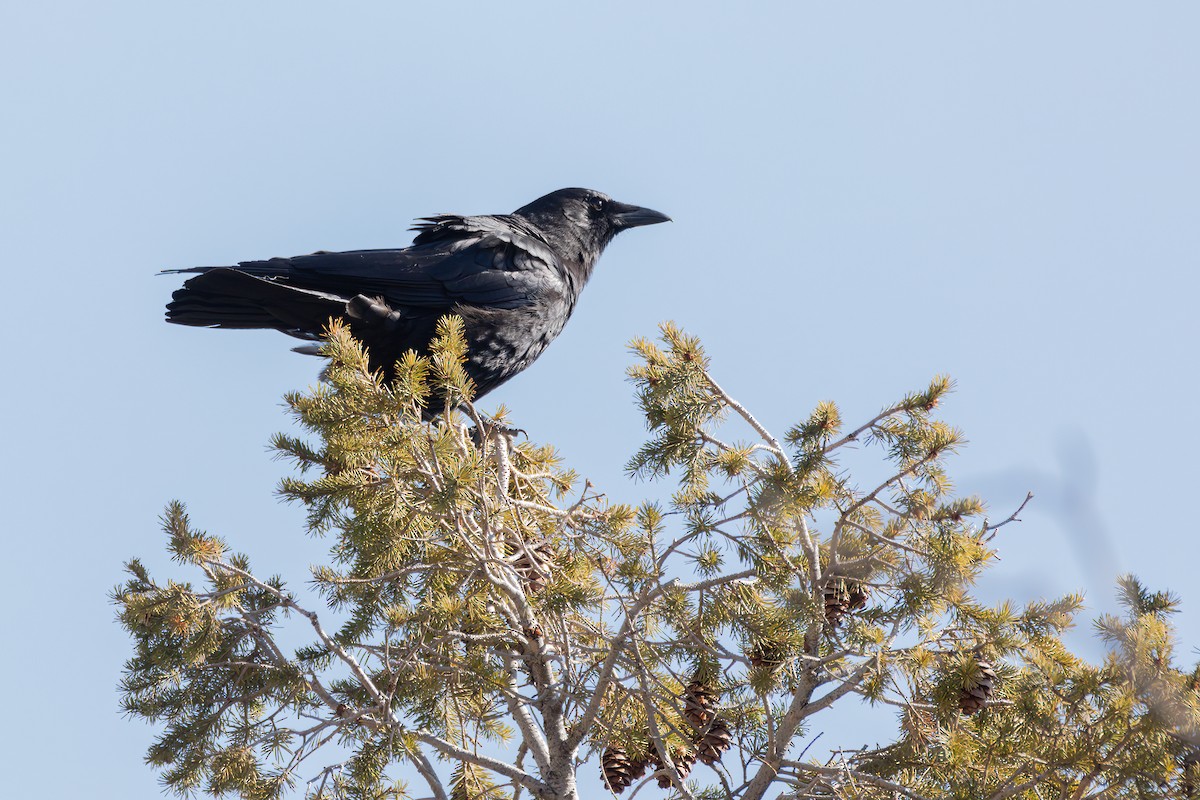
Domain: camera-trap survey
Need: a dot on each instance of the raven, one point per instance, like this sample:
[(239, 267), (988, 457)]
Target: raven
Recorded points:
[(512, 278)]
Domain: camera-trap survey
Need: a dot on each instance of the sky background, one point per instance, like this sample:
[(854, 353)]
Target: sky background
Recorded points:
[(864, 195)]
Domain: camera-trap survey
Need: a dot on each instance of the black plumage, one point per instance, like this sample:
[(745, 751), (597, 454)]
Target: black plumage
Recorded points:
[(513, 278)]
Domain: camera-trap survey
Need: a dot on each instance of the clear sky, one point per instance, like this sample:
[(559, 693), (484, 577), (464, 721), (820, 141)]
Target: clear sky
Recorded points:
[(864, 195)]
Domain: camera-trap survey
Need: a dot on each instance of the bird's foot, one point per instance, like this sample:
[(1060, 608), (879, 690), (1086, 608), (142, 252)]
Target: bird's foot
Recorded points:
[(491, 429)]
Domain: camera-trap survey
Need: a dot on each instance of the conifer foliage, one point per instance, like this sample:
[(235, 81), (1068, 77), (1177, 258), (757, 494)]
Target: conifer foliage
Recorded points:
[(487, 624)]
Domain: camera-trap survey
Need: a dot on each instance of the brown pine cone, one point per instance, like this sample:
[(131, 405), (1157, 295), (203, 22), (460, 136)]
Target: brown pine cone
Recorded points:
[(653, 760), (1189, 765), (859, 594), (715, 741), (843, 595), (697, 705), (767, 655), (638, 765), (533, 565), (684, 761), (615, 769), (978, 688)]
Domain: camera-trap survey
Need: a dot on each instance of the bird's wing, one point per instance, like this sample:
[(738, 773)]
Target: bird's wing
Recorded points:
[(483, 261)]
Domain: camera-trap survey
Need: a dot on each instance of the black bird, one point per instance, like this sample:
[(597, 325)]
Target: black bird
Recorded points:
[(513, 278)]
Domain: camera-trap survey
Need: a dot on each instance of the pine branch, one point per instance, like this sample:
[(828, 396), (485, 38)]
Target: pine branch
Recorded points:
[(485, 611), (775, 447), (851, 777), (520, 777)]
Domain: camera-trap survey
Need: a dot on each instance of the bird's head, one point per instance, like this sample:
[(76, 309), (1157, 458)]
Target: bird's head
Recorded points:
[(585, 219)]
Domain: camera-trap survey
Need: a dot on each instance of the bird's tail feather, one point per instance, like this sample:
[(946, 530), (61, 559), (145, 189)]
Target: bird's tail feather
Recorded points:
[(270, 268), (230, 298)]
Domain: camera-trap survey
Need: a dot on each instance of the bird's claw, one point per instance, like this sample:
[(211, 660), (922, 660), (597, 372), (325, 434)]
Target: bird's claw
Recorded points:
[(494, 429)]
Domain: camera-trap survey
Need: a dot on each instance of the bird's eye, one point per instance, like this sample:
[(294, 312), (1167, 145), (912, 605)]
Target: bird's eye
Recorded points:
[(596, 203)]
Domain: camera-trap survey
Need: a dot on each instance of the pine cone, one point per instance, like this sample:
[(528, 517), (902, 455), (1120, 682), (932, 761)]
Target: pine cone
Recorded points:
[(978, 688), (652, 757), (859, 594), (697, 705), (714, 742), (638, 765), (533, 565), (616, 769), (843, 595), (684, 761), (767, 655), (1190, 782), (712, 732)]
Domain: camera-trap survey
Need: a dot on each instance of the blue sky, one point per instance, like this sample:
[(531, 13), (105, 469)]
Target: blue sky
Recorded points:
[(864, 196)]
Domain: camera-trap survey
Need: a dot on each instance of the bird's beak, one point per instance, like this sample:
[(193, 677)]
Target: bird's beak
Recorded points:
[(627, 216)]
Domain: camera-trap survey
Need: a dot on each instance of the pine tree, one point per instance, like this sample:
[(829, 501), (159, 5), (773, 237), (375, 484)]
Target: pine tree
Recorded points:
[(490, 626)]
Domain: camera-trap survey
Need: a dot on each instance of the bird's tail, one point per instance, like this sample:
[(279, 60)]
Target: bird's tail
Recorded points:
[(223, 297)]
